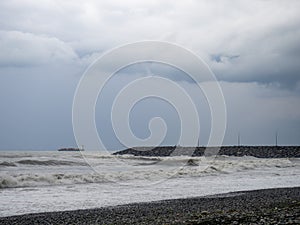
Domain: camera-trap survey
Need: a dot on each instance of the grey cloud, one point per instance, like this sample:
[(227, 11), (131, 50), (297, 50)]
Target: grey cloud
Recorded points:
[(22, 49), (271, 59), (263, 34), (250, 45), (222, 58)]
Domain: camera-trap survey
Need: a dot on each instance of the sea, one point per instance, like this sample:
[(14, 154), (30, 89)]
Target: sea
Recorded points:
[(45, 181)]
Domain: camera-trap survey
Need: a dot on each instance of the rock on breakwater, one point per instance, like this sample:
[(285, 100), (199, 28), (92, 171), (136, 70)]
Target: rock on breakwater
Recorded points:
[(256, 151)]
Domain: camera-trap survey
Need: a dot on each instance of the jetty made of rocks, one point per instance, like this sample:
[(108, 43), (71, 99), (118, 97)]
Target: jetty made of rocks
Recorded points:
[(255, 151)]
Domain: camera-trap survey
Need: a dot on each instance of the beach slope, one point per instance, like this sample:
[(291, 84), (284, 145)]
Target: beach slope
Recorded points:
[(269, 206)]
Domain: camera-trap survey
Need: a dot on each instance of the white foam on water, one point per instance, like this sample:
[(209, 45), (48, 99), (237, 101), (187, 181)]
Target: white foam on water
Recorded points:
[(51, 181)]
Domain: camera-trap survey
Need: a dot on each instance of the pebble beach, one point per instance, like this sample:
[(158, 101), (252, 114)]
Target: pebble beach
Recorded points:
[(267, 206)]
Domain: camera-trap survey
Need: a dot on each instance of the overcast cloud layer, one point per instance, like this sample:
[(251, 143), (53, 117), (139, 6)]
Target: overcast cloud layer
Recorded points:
[(251, 46)]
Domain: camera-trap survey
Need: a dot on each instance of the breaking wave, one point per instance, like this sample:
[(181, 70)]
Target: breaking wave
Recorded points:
[(141, 172), (50, 162), (5, 164)]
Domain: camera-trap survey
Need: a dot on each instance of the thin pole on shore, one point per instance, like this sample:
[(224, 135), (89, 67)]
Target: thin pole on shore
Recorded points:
[(239, 139), (276, 138)]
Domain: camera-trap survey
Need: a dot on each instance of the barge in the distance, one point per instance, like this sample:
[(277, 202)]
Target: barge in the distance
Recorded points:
[(70, 149)]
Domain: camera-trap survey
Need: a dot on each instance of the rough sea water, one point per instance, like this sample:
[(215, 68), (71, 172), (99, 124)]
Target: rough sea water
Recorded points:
[(41, 181)]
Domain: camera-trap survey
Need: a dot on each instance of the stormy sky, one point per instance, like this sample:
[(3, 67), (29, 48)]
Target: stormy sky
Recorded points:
[(252, 47)]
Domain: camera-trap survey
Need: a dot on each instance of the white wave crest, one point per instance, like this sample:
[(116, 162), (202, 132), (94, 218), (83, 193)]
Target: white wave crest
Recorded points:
[(146, 171)]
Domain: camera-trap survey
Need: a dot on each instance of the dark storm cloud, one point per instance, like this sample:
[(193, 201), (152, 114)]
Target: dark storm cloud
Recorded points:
[(271, 57), (251, 46), (249, 41), (221, 58)]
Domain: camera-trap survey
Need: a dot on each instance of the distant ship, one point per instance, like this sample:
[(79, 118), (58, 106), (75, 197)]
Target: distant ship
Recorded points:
[(70, 149)]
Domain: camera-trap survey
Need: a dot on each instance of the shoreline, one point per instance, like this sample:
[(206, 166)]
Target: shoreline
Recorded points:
[(264, 206)]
